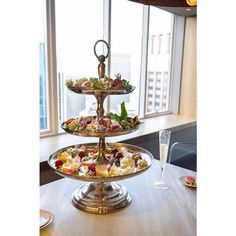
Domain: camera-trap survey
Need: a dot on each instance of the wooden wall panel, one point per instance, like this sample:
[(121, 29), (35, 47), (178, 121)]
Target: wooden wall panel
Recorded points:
[(188, 97)]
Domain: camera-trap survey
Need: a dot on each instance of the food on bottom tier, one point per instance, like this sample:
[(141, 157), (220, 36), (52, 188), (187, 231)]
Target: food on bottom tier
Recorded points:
[(84, 161)]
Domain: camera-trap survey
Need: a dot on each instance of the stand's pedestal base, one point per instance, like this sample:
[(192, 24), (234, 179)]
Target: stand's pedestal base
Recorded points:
[(101, 198)]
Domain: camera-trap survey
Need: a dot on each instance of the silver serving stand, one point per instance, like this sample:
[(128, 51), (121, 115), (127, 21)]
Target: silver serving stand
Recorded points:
[(101, 195)]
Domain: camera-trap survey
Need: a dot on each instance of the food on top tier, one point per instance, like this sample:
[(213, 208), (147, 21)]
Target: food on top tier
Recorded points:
[(84, 161), (99, 84)]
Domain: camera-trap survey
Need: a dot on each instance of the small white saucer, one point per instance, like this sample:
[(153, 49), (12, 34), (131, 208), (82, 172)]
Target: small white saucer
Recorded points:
[(46, 218)]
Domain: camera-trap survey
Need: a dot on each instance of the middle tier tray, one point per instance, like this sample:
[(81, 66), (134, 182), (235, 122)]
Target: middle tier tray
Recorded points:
[(100, 130)]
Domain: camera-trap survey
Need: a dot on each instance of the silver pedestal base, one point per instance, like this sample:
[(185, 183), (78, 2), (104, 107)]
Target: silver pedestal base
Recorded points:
[(101, 198)]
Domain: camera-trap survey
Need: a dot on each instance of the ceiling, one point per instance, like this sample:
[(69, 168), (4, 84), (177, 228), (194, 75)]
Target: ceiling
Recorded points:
[(179, 7)]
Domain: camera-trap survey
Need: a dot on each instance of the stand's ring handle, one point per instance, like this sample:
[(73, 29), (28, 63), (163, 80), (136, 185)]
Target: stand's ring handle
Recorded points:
[(108, 49)]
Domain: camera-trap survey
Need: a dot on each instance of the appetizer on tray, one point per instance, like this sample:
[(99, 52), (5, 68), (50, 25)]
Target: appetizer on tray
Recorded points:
[(105, 83), (84, 161), (110, 123)]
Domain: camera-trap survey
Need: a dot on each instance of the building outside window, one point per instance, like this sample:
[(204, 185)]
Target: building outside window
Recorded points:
[(76, 33), (126, 51), (43, 77), (158, 61)]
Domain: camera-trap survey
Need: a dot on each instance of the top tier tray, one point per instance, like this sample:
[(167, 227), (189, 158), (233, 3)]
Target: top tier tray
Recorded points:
[(101, 91)]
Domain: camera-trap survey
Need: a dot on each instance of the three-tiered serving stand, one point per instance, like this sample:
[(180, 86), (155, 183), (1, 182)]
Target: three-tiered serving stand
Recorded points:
[(101, 195)]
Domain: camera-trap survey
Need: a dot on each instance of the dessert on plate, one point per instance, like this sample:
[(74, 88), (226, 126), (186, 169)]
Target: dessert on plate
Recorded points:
[(190, 180)]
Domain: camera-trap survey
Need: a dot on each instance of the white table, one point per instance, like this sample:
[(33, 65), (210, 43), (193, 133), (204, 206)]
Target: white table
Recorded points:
[(151, 212)]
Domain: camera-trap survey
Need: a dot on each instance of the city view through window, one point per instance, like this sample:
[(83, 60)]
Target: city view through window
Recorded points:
[(159, 57), (79, 24), (126, 51), (43, 78), (76, 34)]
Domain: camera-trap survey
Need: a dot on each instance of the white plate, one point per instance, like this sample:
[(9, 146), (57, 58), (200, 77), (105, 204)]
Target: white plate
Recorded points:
[(186, 184), (46, 218)]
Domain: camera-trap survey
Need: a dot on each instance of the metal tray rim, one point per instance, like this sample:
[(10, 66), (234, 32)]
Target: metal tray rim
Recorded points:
[(149, 157)]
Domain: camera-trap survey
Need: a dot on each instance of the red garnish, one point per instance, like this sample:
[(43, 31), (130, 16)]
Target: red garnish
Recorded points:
[(95, 150), (115, 127), (81, 154), (58, 163), (70, 171), (117, 83), (119, 155), (92, 167)]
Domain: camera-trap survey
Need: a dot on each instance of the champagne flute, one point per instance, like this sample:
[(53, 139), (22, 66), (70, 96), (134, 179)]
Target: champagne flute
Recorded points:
[(164, 140)]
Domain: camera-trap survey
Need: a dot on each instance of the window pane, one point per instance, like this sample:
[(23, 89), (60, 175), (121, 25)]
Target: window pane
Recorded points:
[(126, 50), (159, 57), (43, 78), (79, 24)]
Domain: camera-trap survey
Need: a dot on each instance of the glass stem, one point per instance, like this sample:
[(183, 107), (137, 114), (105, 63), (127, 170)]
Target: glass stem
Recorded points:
[(162, 174)]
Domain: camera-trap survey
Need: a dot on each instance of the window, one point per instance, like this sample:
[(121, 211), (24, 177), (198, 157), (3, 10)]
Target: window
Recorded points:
[(79, 24), (126, 50), (160, 43), (43, 77), (168, 45), (141, 50), (152, 44), (159, 61)]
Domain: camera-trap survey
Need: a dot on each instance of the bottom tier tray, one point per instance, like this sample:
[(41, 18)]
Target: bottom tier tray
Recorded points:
[(101, 196)]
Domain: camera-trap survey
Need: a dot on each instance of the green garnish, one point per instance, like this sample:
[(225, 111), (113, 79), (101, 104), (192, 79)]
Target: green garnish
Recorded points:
[(124, 114), (93, 79), (120, 117), (118, 76), (69, 83)]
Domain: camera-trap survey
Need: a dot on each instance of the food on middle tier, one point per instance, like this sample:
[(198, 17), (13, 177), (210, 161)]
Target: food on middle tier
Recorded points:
[(106, 124), (99, 84), (84, 161), (110, 123)]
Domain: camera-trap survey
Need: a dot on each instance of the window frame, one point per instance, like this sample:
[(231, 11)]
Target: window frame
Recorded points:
[(177, 41), (51, 69), (175, 65)]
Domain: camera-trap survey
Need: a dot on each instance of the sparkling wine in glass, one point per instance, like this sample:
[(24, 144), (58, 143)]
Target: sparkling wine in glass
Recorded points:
[(164, 140)]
